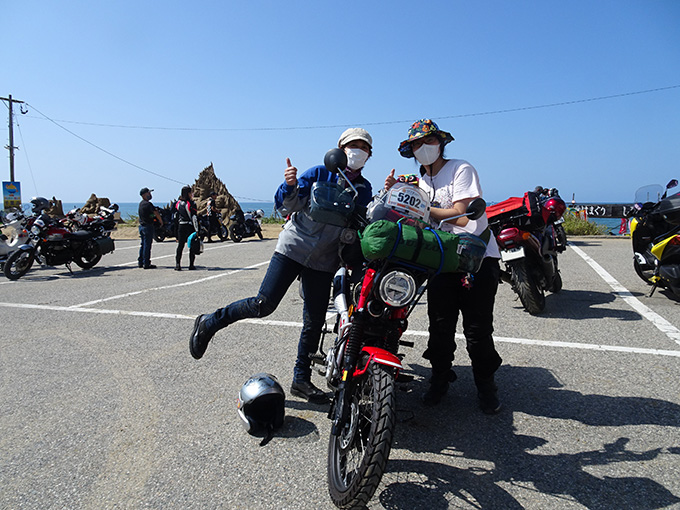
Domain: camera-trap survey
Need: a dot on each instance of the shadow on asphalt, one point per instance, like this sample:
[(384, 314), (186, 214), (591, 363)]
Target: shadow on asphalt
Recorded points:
[(583, 304), (500, 455)]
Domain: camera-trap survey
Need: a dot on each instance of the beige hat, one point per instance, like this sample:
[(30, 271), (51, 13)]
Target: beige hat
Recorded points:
[(352, 134)]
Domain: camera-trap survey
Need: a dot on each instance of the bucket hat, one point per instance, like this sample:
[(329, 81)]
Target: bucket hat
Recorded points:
[(420, 129)]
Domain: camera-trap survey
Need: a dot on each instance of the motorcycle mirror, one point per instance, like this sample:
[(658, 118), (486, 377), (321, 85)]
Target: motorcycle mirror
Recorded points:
[(474, 211), (335, 160), (476, 208), (672, 184)]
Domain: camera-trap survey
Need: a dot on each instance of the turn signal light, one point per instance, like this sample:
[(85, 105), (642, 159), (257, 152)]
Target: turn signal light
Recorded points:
[(675, 241)]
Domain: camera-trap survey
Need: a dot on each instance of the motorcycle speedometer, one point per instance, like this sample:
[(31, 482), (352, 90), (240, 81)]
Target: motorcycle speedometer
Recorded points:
[(397, 288)]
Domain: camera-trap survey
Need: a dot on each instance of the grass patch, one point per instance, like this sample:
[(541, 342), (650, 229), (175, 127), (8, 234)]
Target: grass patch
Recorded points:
[(576, 226)]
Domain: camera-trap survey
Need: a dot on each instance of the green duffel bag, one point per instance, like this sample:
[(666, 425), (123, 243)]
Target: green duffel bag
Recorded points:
[(425, 247)]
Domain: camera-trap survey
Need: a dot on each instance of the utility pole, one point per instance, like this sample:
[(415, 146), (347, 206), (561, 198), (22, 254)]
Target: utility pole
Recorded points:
[(11, 146)]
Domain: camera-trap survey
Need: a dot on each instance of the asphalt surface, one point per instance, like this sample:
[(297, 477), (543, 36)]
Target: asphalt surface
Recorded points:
[(101, 405)]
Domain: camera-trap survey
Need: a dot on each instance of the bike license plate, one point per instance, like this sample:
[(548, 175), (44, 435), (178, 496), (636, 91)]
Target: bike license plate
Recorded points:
[(513, 254), (561, 220), (408, 198)]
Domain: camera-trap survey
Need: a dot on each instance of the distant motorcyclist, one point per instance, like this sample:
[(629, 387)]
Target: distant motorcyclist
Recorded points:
[(213, 221), (187, 225)]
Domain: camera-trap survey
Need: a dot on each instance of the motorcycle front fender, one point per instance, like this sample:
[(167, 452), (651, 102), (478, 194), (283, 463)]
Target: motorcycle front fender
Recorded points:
[(380, 356)]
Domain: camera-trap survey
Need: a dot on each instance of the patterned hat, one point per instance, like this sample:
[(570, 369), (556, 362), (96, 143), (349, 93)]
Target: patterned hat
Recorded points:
[(420, 129)]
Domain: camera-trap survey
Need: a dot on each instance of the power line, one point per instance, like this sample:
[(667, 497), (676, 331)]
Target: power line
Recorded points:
[(104, 150), (377, 123)]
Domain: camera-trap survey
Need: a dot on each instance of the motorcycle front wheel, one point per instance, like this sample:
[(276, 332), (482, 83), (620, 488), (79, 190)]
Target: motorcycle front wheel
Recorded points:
[(235, 233), (259, 233), (158, 235), (89, 255), (18, 264), (527, 288), (358, 455), (222, 233)]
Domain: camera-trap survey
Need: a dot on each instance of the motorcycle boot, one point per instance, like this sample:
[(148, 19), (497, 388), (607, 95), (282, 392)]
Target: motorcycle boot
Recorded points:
[(439, 385), (487, 392), (309, 392), (200, 337)]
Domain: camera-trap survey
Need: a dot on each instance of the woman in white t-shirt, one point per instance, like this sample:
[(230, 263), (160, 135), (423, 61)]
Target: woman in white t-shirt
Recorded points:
[(451, 185)]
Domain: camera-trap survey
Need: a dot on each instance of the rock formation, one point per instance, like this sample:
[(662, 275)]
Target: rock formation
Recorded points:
[(93, 204), (206, 182), (56, 209)]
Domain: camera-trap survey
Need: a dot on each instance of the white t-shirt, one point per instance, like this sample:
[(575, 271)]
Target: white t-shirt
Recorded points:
[(458, 180)]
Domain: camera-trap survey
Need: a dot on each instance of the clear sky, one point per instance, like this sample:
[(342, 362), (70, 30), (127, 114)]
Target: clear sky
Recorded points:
[(127, 94)]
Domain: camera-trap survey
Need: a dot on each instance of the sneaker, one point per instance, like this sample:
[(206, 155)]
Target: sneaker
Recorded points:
[(178, 268), (309, 392), (487, 392), (200, 338), (150, 266), (140, 265), (192, 268)]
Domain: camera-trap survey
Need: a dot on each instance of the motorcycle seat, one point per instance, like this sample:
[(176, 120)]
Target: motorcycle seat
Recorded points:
[(81, 235)]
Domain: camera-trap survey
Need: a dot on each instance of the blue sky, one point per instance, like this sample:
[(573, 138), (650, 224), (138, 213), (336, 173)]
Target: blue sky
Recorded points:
[(246, 84)]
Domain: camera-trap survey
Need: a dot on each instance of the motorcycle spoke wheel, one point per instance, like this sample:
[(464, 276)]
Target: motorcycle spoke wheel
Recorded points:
[(527, 288), (358, 455), (18, 264), (88, 256)]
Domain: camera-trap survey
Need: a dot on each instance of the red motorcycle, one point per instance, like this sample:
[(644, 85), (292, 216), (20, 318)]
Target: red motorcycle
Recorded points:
[(530, 236), (52, 244), (384, 275)]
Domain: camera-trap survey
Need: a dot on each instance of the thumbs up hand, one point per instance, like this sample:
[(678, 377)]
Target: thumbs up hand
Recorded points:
[(290, 173), (390, 180)]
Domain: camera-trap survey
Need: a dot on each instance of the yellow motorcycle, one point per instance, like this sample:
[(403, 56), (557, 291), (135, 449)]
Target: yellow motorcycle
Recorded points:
[(655, 232)]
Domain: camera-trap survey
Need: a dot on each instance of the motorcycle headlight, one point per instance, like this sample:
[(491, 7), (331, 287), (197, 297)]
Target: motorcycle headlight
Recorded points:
[(397, 288)]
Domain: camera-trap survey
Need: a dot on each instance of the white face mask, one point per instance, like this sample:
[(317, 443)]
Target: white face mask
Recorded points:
[(427, 154), (356, 158)]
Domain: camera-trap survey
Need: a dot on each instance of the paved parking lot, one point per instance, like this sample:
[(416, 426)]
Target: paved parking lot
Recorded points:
[(103, 407)]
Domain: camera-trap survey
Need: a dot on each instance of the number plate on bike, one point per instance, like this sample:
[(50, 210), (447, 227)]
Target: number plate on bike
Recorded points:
[(514, 253), (408, 198)]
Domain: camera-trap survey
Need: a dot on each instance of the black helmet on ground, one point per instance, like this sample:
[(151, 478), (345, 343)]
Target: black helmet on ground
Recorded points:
[(261, 404)]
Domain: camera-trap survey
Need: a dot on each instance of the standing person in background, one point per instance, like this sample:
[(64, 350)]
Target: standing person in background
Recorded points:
[(305, 248), (187, 224), (213, 224), (146, 212), (452, 184)]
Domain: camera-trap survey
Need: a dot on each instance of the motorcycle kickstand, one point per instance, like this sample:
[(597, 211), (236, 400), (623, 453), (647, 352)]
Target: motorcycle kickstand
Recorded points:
[(651, 292), (68, 266)]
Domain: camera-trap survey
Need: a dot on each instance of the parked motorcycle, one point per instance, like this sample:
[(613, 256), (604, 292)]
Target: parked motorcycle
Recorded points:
[(169, 227), (655, 232), (205, 230), (52, 244), (103, 222), (529, 242), (362, 364), (245, 225), (16, 224)]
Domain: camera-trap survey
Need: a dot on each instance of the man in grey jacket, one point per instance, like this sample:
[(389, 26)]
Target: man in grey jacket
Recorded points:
[(305, 248)]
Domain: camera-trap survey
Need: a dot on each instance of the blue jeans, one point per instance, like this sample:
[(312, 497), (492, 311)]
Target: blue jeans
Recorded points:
[(146, 235), (281, 273)]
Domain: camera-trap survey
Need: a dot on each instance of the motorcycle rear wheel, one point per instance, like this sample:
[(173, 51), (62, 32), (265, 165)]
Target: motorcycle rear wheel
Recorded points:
[(235, 233), (357, 457), (158, 236), (89, 255), (222, 233), (18, 264), (527, 288)]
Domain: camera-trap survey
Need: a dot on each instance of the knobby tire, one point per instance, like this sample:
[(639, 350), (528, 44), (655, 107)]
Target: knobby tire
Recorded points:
[(356, 464), (89, 255)]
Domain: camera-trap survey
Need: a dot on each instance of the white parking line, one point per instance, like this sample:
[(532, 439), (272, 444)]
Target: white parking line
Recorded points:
[(134, 262), (298, 325), (662, 324), (175, 285)]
